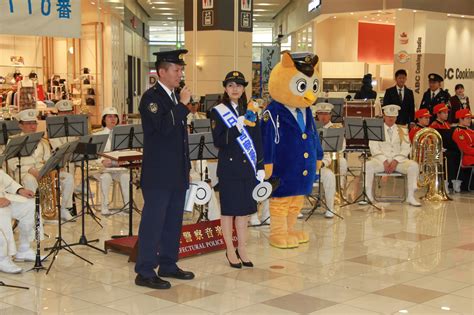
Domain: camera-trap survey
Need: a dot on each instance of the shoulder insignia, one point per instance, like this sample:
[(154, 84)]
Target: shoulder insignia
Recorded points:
[(461, 137), (153, 107), (266, 116)]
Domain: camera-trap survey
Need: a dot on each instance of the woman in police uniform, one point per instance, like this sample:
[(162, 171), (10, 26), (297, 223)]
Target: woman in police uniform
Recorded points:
[(237, 175)]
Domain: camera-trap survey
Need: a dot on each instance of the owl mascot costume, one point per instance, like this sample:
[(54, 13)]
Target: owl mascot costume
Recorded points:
[(292, 150)]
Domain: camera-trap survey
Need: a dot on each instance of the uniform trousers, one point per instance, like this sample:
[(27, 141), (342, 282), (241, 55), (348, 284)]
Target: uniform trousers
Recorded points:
[(408, 167), (160, 231), (106, 180), (328, 180), (24, 212)]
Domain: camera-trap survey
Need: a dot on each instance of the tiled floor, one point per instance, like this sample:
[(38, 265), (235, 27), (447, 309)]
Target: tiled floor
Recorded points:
[(402, 260)]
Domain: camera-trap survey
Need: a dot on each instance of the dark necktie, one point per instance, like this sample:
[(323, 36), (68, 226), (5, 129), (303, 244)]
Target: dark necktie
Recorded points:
[(173, 97), (400, 95), (432, 95)]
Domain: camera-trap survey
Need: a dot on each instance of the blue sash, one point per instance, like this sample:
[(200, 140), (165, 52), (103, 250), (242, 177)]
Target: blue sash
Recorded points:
[(244, 140)]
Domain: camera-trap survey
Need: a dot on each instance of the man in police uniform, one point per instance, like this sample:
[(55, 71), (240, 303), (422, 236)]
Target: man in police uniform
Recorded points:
[(328, 178), (435, 94), (392, 155), (165, 174)]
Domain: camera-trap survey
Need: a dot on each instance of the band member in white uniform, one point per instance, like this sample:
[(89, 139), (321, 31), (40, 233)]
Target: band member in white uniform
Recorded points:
[(328, 178), (31, 165), (21, 208), (392, 155), (112, 171)]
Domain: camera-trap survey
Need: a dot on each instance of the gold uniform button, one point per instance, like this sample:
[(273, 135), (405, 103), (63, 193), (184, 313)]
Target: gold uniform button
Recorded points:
[(305, 172), (306, 155), (304, 136)]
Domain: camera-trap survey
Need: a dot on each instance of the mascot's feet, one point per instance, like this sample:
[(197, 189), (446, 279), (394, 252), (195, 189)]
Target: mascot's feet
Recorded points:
[(284, 241), (302, 236)]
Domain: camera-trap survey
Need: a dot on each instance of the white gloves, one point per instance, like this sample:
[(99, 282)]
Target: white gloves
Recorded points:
[(240, 123), (261, 175)]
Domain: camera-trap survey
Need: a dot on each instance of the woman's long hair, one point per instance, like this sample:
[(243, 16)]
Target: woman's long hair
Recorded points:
[(242, 104)]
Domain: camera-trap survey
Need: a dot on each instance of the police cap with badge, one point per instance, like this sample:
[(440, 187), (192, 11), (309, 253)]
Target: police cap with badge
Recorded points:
[(323, 107), (435, 77), (235, 76), (27, 115), (391, 110), (171, 56)]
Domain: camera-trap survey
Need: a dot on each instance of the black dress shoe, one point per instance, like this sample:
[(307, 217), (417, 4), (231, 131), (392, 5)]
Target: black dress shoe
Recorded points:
[(153, 283), (178, 274), (237, 265), (245, 263)]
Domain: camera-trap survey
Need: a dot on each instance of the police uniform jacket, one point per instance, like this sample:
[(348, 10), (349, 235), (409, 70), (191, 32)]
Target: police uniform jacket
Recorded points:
[(441, 97), (440, 125), (233, 163), (413, 131), (292, 152), (395, 148), (464, 138), (166, 162), (407, 112)]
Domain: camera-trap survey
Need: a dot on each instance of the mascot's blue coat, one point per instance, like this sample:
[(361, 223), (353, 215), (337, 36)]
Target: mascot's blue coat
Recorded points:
[(288, 157)]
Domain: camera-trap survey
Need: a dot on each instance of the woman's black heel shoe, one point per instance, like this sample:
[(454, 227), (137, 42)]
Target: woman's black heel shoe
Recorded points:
[(238, 265), (245, 263)]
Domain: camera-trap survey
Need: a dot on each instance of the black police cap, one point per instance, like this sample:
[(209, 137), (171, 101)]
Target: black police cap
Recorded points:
[(171, 56), (435, 77), (305, 62), (235, 76)]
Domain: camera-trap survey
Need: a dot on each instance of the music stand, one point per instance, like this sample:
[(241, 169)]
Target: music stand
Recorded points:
[(201, 125), (201, 147), (66, 126), (60, 156), (88, 148), (337, 113), (8, 128), (332, 140), (128, 137), (29, 146), (367, 129)]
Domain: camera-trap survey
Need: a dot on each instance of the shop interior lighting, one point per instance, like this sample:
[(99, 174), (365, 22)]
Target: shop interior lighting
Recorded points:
[(414, 11), (445, 308)]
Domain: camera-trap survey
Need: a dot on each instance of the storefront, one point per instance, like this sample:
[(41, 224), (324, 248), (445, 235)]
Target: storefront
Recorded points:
[(353, 39), (90, 62)]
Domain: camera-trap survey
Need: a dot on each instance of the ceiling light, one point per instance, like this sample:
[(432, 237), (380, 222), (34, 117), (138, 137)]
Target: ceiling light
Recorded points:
[(170, 18), (260, 10), (400, 9), (449, 14), (352, 13), (414, 11), (445, 308), (462, 16), (403, 311), (365, 16), (334, 17), (265, 4), (379, 11)]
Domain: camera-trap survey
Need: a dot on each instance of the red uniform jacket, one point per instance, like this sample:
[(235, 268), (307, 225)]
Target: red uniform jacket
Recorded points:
[(464, 137), (413, 132), (440, 125)]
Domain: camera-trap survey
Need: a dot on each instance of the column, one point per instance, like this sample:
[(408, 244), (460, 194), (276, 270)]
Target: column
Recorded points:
[(218, 35), (420, 47)]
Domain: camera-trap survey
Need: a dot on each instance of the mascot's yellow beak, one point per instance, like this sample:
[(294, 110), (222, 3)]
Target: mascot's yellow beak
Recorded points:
[(309, 98)]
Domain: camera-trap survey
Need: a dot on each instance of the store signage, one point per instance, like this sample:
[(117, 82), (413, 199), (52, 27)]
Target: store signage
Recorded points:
[(207, 18), (458, 74), (246, 20), (403, 38), (58, 18), (313, 5), (418, 66), (403, 56), (270, 57), (201, 237)]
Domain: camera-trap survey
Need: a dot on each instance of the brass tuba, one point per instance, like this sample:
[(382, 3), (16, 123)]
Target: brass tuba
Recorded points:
[(427, 151)]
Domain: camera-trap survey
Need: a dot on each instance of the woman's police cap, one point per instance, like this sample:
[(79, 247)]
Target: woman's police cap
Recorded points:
[(235, 76), (171, 56)]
